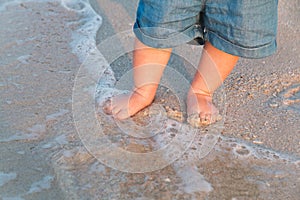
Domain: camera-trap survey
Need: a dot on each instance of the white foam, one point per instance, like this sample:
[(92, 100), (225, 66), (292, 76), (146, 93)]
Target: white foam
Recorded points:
[(74, 5), (243, 149), (24, 59), (33, 133), (55, 116), (108, 79), (58, 141), (193, 181), (97, 167), (20, 42), (84, 46), (84, 38), (43, 184), (38, 129), (48, 145), (6, 177), (62, 139), (21, 152), (68, 153), (21, 136)]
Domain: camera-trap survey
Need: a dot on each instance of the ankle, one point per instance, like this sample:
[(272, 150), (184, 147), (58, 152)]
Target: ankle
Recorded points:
[(145, 93), (200, 92)]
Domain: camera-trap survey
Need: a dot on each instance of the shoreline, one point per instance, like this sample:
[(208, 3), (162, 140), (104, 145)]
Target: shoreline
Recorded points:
[(43, 156)]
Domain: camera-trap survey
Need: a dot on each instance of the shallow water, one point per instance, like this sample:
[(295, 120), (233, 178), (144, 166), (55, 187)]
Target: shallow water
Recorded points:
[(45, 157)]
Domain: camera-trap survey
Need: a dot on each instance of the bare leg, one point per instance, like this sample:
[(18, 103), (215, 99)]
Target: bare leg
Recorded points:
[(148, 66), (215, 65)]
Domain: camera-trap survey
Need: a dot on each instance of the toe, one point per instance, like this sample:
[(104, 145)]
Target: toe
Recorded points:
[(122, 114), (115, 110), (203, 117), (204, 122), (208, 118), (107, 107), (213, 119)]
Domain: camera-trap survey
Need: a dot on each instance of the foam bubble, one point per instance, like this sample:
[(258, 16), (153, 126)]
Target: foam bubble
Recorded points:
[(73, 5), (243, 149), (108, 79)]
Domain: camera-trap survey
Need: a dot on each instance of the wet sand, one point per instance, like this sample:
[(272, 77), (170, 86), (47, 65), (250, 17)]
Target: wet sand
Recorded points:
[(43, 157)]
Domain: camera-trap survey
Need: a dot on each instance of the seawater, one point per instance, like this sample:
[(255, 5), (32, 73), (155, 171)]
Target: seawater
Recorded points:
[(192, 176), (190, 168), (269, 164)]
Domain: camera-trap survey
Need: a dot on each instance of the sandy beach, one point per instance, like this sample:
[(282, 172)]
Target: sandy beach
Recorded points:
[(45, 47)]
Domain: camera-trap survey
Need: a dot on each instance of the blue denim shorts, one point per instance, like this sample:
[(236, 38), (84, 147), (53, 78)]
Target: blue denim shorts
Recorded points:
[(246, 28)]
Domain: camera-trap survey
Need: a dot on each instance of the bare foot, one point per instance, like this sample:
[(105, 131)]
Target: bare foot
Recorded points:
[(126, 105), (200, 109)]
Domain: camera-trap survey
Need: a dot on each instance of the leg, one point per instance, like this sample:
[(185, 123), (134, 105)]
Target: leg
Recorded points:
[(148, 67), (215, 65)]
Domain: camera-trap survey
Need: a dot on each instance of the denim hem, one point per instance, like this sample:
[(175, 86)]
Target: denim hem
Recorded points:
[(245, 52), (174, 40)]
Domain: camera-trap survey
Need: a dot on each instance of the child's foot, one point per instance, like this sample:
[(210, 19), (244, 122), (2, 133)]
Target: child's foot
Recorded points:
[(200, 109), (126, 105)]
